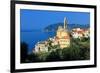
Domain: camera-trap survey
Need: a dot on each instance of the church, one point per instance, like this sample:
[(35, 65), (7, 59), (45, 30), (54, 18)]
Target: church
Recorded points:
[(62, 35), (62, 39)]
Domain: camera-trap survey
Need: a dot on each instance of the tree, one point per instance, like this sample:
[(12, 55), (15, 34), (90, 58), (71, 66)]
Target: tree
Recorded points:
[(23, 52), (53, 56), (85, 52), (42, 56), (71, 53), (33, 57)]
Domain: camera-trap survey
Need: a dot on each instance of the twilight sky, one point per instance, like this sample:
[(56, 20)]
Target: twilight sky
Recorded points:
[(36, 19)]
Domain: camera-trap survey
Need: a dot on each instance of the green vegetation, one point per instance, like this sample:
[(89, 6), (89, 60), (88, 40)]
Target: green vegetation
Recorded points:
[(78, 50), (23, 53), (54, 27)]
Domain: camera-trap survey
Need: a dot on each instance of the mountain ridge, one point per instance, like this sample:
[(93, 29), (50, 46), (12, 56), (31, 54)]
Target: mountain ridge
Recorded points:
[(54, 27)]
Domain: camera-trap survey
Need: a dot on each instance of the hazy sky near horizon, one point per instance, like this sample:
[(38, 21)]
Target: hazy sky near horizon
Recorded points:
[(39, 19)]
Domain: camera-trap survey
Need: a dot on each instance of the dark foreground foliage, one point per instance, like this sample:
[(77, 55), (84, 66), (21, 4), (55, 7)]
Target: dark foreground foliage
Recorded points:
[(78, 50)]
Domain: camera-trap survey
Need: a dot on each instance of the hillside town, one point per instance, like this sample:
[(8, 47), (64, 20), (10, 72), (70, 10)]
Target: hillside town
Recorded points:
[(62, 38)]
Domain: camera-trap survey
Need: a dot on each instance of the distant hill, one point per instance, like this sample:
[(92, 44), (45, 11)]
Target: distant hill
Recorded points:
[(54, 27)]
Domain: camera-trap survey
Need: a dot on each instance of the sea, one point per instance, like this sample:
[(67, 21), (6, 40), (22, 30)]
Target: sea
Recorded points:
[(32, 37)]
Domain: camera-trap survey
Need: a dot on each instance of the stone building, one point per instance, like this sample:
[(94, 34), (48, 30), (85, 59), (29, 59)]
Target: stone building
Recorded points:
[(41, 47), (62, 35)]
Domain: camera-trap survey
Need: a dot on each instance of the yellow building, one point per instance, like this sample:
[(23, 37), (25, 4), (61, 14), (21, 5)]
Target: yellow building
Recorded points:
[(62, 35)]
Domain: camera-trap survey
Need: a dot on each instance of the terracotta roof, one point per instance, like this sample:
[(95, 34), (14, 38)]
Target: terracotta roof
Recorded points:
[(81, 31)]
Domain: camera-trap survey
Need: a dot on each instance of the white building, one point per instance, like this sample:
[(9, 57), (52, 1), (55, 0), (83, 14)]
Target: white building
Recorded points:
[(41, 47), (79, 33)]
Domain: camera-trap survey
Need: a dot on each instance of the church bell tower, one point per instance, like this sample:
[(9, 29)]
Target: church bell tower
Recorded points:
[(65, 23)]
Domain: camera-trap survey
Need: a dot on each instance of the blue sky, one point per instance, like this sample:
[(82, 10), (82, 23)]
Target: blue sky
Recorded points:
[(38, 19)]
